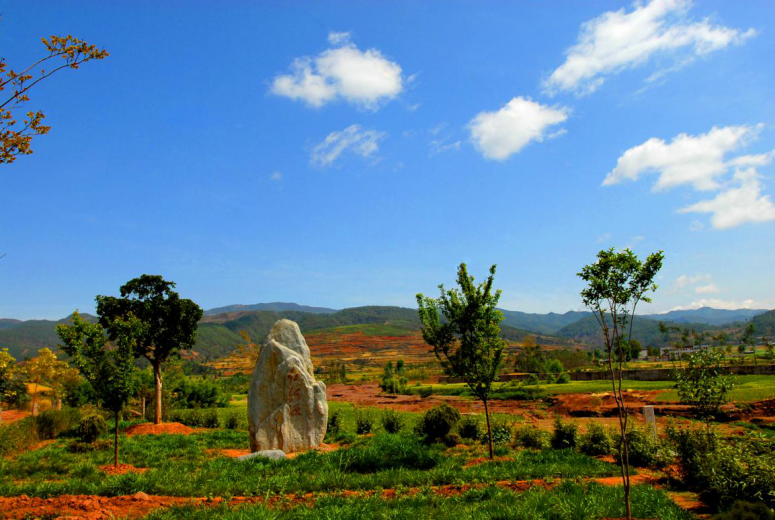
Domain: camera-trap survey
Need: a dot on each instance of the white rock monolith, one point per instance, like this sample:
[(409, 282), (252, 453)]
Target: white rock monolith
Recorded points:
[(287, 407)]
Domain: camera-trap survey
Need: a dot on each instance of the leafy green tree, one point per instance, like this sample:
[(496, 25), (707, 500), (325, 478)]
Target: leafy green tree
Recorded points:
[(393, 380), (170, 322), (467, 342), (46, 370), (15, 140), (704, 384), (749, 338), (110, 370), (11, 386), (634, 349), (616, 284)]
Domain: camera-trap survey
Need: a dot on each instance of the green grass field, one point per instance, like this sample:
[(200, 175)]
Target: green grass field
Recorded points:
[(372, 329), (747, 388)]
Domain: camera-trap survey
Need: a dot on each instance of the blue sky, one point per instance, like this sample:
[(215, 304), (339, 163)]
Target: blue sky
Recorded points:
[(351, 153)]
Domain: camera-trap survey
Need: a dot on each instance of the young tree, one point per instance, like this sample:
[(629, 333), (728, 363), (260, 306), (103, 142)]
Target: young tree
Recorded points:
[(10, 385), (749, 338), (704, 384), (170, 322), (109, 370), (616, 284), (467, 343), (44, 370), (16, 140), (248, 349)]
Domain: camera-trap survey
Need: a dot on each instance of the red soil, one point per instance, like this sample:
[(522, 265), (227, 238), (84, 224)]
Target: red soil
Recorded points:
[(157, 429), (10, 416), (121, 469), (85, 506)]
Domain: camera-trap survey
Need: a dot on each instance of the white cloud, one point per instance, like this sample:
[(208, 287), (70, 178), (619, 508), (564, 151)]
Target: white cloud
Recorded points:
[(500, 134), (721, 304), (276, 177), (338, 38), (440, 146), (364, 143), (620, 40), (736, 206), (696, 160), (706, 289), (364, 78), (686, 280), (701, 162)]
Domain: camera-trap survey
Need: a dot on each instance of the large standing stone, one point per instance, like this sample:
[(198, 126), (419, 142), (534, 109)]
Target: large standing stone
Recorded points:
[(287, 407)]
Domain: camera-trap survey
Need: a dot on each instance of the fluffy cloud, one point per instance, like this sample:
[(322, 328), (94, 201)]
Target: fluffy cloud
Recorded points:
[(500, 134), (701, 162), (619, 40), (276, 176), (738, 205), (364, 78), (721, 304), (696, 160), (364, 143)]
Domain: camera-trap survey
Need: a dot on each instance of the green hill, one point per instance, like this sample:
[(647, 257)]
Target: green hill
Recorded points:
[(24, 338), (764, 324), (644, 329)]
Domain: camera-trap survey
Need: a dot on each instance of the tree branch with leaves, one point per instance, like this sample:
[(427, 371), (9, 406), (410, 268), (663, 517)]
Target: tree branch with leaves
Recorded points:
[(15, 140)]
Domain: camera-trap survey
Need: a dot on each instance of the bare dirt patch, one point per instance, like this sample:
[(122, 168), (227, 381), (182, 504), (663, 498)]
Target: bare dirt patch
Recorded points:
[(10, 416), (121, 469), (86, 506), (172, 428)]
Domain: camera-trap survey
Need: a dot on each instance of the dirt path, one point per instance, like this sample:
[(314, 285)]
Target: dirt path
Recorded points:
[(10, 416)]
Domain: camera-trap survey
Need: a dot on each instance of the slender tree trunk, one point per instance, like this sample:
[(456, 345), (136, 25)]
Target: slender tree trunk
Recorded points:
[(115, 444), (489, 430), (35, 400), (142, 406), (59, 403), (1, 414), (157, 377)]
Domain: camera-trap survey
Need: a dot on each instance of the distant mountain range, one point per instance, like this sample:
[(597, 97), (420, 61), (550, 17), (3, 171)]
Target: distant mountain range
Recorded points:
[(219, 328), (274, 306)]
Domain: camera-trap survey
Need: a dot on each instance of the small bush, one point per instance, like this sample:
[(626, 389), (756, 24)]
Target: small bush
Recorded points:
[(469, 428), (693, 446), (210, 418), (232, 421), (18, 436), (426, 391), (643, 450), (51, 423), (502, 431), (80, 447), (91, 427), (531, 437), (364, 422), (335, 425), (741, 510), (392, 421), (596, 441), (451, 440), (438, 422), (565, 434), (563, 378)]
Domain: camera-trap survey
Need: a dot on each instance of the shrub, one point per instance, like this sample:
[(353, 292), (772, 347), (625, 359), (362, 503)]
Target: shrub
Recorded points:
[(470, 428), (643, 450), (91, 427), (531, 437), (451, 440), (18, 436), (392, 421), (335, 423), (438, 422), (199, 393), (565, 434), (232, 421), (596, 440), (563, 378), (741, 510), (210, 418), (724, 472), (502, 431), (426, 391), (364, 422), (51, 423)]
